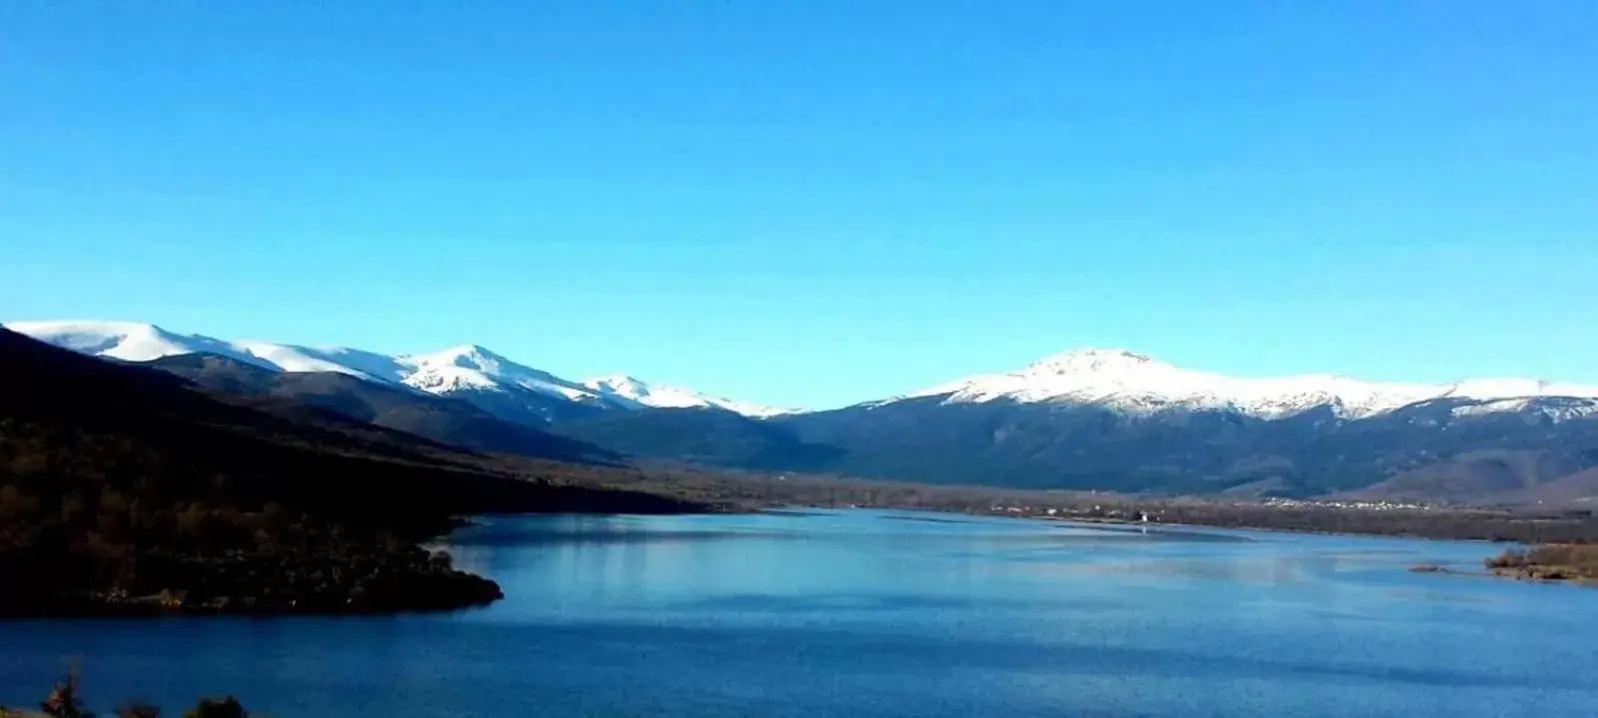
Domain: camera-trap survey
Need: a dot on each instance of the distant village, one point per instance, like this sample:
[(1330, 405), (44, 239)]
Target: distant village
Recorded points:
[(1136, 514)]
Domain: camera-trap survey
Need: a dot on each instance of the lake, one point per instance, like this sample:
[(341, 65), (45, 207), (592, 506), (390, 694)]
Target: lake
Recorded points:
[(873, 613)]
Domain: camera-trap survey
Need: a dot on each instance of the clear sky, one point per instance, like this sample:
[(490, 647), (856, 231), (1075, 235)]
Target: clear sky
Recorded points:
[(815, 202)]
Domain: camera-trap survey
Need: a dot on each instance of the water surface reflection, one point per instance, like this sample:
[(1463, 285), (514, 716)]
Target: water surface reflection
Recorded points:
[(857, 613)]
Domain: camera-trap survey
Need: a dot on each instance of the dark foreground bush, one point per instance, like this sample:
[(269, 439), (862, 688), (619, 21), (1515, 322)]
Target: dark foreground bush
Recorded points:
[(64, 702), (228, 708)]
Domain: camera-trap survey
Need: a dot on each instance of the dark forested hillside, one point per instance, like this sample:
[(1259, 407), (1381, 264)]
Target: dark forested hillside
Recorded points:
[(1315, 453), (126, 488), (1436, 450)]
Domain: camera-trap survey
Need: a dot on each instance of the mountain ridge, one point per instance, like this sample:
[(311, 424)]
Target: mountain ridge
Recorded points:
[(627, 387), (1116, 379), (1139, 384), (512, 390), (446, 420), (1084, 419)]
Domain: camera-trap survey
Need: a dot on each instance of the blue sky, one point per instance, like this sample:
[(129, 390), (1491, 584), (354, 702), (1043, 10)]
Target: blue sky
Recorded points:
[(818, 202)]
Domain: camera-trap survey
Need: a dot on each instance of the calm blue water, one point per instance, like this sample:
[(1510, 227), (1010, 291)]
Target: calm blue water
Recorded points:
[(884, 614)]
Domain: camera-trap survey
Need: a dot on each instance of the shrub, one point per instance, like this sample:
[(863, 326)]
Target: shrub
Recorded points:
[(226, 708)]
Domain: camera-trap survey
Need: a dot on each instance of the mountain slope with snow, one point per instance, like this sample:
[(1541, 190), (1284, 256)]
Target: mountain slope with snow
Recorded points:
[(504, 387), (129, 341), (1087, 419), (471, 367), (137, 342), (1107, 378), (1137, 384), (626, 388)]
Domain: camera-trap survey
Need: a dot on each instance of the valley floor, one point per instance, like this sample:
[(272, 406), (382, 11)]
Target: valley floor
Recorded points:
[(753, 491)]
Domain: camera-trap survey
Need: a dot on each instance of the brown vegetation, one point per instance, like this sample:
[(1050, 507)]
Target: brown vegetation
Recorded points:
[(1549, 562)]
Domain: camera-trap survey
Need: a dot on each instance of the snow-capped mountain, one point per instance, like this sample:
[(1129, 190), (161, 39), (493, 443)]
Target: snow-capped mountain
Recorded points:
[(626, 388), (473, 368), (1092, 418), (127, 341), (1136, 384), (1112, 419), (505, 387), (1107, 378), (137, 342)]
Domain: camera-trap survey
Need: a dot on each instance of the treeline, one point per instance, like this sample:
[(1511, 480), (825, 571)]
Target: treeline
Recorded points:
[(95, 524), (102, 552)]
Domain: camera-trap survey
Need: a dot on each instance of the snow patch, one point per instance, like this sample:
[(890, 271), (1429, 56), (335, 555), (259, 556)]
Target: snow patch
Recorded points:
[(1567, 410)]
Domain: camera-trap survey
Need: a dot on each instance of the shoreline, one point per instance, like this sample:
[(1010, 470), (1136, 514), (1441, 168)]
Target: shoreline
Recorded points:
[(1265, 529), (331, 569), (1116, 521), (1529, 574), (420, 578)]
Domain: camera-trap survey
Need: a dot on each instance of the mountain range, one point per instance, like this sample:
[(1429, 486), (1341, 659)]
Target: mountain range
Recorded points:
[(514, 391), (1139, 385), (1090, 418)]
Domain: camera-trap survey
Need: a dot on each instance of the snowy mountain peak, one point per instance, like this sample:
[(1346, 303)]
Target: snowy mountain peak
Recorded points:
[(637, 391), (141, 342), (468, 369), (465, 356), (1137, 384), (618, 383), (128, 341), (1093, 359)]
